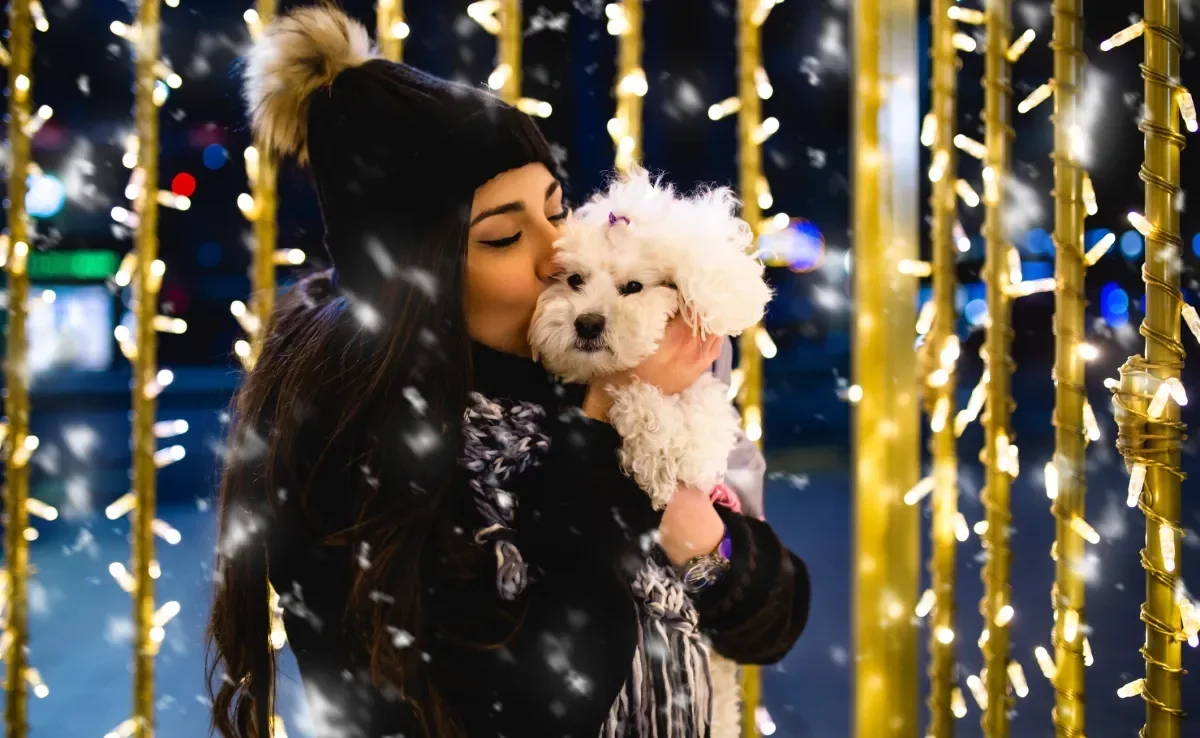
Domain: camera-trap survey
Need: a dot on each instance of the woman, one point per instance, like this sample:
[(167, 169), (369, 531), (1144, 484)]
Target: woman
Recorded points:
[(455, 548)]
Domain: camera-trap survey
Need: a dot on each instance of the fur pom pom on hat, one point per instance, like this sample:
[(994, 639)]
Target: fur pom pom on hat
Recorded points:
[(394, 152), (298, 55)]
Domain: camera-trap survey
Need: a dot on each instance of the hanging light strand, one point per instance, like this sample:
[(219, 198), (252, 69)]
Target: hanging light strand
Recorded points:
[(1070, 407), (940, 355), (18, 444), (391, 29), (143, 272), (503, 19), (999, 451), (1145, 399), (625, 128)]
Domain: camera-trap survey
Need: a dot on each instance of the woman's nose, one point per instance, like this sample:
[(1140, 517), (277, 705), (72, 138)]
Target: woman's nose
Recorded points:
[(544, 237)]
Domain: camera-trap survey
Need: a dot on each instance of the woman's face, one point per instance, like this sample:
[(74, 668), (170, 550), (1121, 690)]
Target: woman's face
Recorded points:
[(514, 223)]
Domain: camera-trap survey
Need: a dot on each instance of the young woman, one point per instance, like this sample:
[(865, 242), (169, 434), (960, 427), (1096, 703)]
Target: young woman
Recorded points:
[(455, 548)]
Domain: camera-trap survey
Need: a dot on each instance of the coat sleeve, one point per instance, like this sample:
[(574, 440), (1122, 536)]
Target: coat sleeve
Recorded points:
[(756, 613), (747, 467), (551, 661)]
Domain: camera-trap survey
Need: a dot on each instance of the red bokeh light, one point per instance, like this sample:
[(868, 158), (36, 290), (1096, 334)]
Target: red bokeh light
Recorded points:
[(183, 185)]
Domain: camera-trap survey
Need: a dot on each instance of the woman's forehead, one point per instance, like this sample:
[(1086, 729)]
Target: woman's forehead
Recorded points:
[(531, 184)]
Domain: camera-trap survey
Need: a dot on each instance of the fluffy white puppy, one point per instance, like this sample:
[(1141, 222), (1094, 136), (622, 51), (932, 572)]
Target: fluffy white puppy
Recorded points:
[(632, 258)]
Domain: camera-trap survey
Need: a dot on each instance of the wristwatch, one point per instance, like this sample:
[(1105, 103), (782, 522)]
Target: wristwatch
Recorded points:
[(701, 572)]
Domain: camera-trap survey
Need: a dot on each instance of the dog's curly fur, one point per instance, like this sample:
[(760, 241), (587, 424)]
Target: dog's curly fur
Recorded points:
[(298, 54), (633, 257)]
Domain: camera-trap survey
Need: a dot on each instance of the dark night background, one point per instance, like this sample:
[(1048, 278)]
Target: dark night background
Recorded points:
[(80, 619)]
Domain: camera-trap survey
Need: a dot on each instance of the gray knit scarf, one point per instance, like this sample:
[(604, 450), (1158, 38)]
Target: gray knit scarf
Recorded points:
[(669, 694)]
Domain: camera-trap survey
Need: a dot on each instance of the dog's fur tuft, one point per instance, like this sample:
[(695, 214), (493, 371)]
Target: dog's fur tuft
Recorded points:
[(297, 55)]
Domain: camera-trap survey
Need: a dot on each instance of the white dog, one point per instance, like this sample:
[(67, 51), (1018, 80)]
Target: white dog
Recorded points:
[(632, 258)]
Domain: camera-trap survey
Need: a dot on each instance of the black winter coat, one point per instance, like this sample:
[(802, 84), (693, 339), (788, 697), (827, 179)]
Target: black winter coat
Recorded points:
[(566, 644)]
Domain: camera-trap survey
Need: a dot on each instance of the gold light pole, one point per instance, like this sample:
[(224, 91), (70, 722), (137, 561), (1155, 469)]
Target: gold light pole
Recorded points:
[(260, 207), (1069, 466), (390, 28), (142, 270), (625, 22), (502, 19), (1164, 361), (508, 49), (1147, 398), (16, 368), (941, 354), (145, 367), (749, 51), (886, 415), (996, 607)]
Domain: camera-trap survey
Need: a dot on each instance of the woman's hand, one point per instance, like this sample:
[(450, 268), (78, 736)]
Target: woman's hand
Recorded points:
[(690, 526), (682, 357)]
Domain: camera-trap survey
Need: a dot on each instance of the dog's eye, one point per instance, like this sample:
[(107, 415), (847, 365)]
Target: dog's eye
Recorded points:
[(630, 288), (575, 281)]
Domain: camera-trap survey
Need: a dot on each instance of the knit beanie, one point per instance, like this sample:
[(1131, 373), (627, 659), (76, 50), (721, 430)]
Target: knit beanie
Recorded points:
[(394, 152)]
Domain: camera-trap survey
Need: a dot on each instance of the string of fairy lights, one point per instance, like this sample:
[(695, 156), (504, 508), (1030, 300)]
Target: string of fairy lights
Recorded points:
[(940, 353), (19, 443), (142, 272), (502, 19), (1147, 396), (625, 127)]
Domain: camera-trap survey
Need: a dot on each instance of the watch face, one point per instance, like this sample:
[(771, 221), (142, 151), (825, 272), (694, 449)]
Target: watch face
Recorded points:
[(704, 571)]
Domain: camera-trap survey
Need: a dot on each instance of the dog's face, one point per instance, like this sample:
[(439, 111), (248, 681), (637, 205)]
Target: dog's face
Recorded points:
[(605, 312), (631, 259)]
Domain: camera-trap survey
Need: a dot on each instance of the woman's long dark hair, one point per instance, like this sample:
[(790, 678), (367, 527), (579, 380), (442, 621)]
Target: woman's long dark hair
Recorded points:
[(330, 394)]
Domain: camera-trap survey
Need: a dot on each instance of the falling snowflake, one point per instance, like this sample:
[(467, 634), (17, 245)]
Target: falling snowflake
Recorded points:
[(1112, 524), (80, 440), (413, 395), (810, 67), (368, 316), (118, 630), (400, 638), (544, 20), (77, 504), (688, 98), (241, 528), (816, 158), (422, 441), (85, 542)]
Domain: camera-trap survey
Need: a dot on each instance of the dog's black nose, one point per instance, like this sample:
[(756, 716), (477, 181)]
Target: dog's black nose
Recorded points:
[(589, 326)]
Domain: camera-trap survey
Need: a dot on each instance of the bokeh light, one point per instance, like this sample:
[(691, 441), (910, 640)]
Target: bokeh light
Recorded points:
[(45, 197), (1132, 244), (215, 156)]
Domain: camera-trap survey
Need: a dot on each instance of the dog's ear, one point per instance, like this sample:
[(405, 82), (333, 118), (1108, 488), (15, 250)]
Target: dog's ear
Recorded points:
[(722, 292)]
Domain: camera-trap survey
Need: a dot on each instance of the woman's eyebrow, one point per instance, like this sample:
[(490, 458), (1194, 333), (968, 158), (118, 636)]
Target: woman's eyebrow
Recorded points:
[(511, 207), (508, 207)]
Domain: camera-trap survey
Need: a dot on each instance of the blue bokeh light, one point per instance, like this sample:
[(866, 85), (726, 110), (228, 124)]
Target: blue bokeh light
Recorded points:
[(1114, 305), (45, 197), (976, 311), (209, 254), (1196, 244), (1132, 244), (800, 245), (215, 156), (1038, 241)]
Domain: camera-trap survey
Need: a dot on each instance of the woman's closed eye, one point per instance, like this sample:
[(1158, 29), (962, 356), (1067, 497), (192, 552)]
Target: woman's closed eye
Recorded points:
[(500, 243)]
